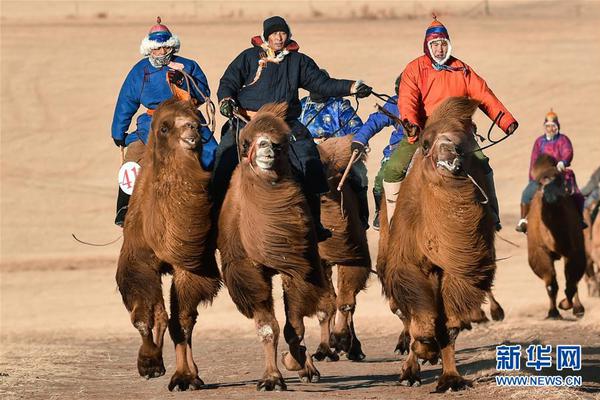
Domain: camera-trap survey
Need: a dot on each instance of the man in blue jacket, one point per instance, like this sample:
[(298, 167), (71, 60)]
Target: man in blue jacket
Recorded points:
[(150, 82), (327, 117), (374, 124), (272, 71)]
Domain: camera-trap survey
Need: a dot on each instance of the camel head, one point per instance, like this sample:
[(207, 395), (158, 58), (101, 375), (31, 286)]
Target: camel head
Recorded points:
[(175, 126), (447, 139), (552, 181), (264, 142)]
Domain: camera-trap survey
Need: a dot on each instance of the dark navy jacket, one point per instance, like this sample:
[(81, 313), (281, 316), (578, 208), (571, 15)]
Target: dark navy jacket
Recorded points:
[(277, 82)]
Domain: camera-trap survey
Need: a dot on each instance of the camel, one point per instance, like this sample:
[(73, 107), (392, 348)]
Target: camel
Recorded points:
[(554, 231), (437, 258), (168, 230), (265, 228), (591, 236), (348, 249)]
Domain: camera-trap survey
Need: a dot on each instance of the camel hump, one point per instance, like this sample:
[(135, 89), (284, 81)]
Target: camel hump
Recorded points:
[(457, 108), (542, 165), (278, 109)]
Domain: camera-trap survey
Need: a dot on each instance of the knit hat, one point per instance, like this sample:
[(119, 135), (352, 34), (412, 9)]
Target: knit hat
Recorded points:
[(159, 36), (275, 24), (552, 117), (436, 31)]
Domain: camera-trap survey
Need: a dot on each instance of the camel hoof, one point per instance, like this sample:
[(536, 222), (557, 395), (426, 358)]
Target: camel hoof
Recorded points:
[(182, 382), (553, 314), (150, 366), (355, 353), (565, 304), (309, 375), (271, 384), (403, 345), (451, 382), (410, 374), (497, 313), (578, 311), (325, 353)]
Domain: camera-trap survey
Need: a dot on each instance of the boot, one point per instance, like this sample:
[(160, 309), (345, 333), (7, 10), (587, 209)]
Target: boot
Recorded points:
[(314, 203), (122, 205), (391, 195), (363, 208), (377, 197), (493, 200), (522, 224)]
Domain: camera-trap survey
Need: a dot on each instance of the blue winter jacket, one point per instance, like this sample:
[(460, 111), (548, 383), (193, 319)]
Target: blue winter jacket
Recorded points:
[(377, 121), (324, 120), (147, 86)]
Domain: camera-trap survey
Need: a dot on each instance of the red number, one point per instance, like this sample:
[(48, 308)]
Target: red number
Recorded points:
[(126, 180)]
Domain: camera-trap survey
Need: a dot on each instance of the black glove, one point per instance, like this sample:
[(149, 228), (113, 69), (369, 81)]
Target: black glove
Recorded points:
[(227, 107), (119, 142), (175, 77), (512, 128), (361, 90), (358, 146)]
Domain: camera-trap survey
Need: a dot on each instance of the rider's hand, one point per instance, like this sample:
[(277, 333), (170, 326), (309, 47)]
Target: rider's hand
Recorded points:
[(512, 128), (361, 89), (227, 107), (412, 131), (561, 166), (175, 77), (358, 146), (119, 142)]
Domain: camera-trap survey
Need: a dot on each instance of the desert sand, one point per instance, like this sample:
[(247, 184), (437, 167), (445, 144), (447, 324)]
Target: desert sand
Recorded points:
[(64, 332)]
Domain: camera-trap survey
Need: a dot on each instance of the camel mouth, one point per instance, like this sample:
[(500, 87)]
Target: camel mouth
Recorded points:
[(265, 161), (265, 154), (454, 167), (189, 142)]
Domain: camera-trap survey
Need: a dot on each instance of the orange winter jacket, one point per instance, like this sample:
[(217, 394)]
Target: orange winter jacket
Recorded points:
[(423, 88)]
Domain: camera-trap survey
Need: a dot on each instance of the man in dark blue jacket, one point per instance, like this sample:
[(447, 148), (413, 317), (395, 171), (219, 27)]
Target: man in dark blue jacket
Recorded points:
[(272, 71), (374, 124)]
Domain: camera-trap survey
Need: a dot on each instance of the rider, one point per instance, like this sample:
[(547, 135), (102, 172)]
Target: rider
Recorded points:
[(327, 117), (557, 144), (160, 75), (272, 71), (426, 82), (374, 124)]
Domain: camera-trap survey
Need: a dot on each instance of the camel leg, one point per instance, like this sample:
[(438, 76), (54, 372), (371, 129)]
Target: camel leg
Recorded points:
[(296, 308), (267, 329), (542, 265), (574, 270), (450, 378), (138, 279), (351, 280), (188, 289), (495, 308), (410, 372), (326, 314), (478, 316), (403, 345)]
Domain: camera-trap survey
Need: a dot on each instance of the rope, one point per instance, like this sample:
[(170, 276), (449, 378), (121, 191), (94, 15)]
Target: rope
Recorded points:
[(95, 244)]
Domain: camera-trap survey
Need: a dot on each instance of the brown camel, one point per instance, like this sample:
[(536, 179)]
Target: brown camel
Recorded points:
[(265, 228), (437, 259), (348, 249), (591, 236), (167, 230), (554, 231)]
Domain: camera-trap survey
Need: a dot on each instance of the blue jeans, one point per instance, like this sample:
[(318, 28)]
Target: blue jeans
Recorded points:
[(529, 192)]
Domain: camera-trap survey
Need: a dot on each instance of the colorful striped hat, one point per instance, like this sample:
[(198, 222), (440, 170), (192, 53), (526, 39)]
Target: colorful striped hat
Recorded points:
[(552, 117), (436, 31), (159, 36)]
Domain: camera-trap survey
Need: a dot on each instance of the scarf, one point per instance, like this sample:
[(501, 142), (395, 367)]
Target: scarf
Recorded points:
[(268, 55)]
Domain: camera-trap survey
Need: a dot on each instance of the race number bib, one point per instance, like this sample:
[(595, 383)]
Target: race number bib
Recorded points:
[(127, 176)]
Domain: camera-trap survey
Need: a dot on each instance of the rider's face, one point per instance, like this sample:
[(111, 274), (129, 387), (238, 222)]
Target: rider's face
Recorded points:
[(550, 128), (439, 48), (277, 40), (161, 51)]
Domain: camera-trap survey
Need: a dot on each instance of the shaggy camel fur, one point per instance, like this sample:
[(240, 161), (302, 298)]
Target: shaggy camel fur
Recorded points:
[(348, 249), (554, 231), (265, 228), (168, 231), (437, 259)]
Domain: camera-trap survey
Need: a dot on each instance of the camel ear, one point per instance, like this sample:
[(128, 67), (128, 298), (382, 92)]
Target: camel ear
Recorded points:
[(279, 109)]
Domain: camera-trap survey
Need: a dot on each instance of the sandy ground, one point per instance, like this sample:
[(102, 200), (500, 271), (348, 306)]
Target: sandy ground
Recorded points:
[(64, 332)]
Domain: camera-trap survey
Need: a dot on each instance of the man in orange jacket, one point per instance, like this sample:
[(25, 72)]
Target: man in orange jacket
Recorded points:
[(426, 82)]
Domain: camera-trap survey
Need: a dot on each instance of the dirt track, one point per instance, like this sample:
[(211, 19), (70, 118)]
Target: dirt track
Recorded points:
[(64, 332)]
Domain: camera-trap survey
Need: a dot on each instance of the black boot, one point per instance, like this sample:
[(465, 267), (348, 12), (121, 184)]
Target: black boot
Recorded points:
[(314, 203), (377, 197), (122, 205), (363, 208)]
